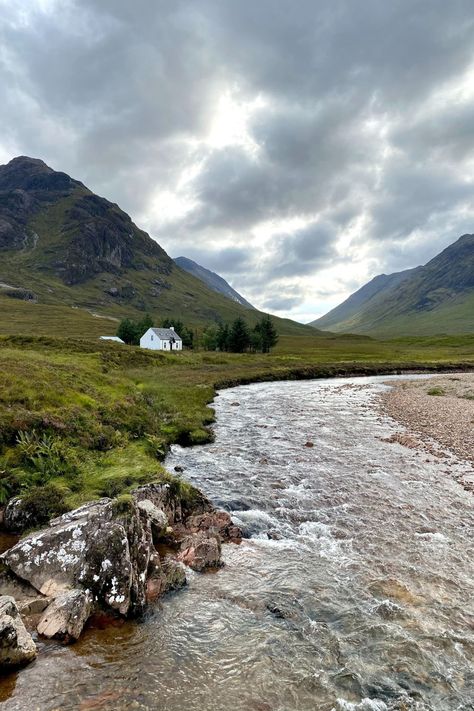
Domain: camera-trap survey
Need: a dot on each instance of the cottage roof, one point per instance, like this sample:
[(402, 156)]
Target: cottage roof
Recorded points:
[(166, 333), (116, 339)]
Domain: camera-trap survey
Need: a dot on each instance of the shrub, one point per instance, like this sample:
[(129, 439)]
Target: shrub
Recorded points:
[(48, 455), (42, 503), (114, 485), (123, 504), (436, 391)]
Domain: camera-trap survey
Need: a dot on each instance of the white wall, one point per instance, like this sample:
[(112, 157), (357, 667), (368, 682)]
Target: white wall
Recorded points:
[(150, 340)]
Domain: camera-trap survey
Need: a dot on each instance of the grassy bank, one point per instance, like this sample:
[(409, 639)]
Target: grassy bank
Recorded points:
[(83, 419)]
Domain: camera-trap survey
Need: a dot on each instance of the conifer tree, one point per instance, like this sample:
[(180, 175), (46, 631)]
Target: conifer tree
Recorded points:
[(239, 337)]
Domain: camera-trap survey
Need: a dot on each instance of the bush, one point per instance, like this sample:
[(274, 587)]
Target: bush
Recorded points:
[(436, 391), (46, 454), (123, 504), (114, 485), (42, 503)]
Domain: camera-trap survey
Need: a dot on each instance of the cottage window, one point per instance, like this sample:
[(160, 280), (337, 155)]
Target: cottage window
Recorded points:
[(151, 336)]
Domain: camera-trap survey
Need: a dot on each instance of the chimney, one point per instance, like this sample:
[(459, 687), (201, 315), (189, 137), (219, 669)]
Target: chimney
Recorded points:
[(172, 327)]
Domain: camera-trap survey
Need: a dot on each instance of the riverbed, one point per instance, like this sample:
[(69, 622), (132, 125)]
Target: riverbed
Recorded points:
[(352, 591)]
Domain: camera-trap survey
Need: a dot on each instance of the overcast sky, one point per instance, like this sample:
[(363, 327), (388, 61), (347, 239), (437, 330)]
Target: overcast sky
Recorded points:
[(297, 147)]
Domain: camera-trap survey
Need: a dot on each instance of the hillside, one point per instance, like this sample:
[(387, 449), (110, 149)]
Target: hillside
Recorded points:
[(435, 298), (213, 280), (63, 246)]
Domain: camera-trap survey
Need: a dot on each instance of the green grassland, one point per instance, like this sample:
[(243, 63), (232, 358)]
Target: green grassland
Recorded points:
[(81, 419)]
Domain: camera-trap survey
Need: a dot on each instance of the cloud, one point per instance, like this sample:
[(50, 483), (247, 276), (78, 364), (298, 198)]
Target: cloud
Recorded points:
[(345, 147)]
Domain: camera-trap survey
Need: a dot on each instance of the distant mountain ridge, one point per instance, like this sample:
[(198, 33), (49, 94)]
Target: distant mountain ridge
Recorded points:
[(62, 245), (435, 298), (213, 280)]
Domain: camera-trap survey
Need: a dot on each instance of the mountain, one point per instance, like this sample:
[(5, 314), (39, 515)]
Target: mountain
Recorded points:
[(62, 245), (428, 300), (213, 280)]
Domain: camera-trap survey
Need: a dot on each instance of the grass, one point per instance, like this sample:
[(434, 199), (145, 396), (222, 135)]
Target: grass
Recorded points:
[(86, 418), (436, 391)]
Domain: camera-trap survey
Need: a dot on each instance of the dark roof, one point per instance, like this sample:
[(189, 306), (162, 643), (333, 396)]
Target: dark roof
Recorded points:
[(166, 333)]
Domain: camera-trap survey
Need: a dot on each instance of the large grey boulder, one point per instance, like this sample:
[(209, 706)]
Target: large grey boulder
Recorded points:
[(97, 548), (66, 616), (16, 644)]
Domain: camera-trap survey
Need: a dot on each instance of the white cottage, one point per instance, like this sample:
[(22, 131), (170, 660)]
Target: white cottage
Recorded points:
[(161, 339)]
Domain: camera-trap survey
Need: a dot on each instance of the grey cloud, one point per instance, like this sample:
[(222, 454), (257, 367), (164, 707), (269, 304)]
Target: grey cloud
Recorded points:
[(282, 303), (121, 95), (303, 252)]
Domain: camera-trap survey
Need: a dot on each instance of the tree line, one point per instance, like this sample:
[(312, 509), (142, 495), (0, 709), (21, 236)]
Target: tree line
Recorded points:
[(235, 337), (238, 337)]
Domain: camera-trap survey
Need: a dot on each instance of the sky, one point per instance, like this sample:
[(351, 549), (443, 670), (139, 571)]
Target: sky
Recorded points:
[(296, 147)]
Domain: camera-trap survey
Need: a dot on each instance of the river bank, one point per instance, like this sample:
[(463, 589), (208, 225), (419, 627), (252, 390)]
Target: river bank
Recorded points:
[(435, 411)]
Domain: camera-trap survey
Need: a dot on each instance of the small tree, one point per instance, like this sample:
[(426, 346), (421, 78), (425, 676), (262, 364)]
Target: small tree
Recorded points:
[(131, 331), (239, 337), (222, 337), (266, 333), (127, 331), (209, 339), (144, 325)]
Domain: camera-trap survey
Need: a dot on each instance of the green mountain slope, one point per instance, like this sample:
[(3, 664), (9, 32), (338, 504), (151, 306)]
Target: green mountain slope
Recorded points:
[(63, 246), (435, 298)]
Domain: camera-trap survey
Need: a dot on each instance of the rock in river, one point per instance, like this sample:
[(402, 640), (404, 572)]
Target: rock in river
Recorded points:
[(16, 644)]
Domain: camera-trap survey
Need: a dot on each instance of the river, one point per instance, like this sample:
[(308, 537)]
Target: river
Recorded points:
[(353, 591)]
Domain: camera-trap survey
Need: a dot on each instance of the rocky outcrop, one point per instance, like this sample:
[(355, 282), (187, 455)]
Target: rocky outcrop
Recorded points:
[(96, 548), (105, 555), (16, 644)]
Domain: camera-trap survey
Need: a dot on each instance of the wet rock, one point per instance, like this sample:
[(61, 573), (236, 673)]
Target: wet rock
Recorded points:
[(215, 522), (235, 404), (164, 576), (16, 644), (200, 551), (66, 616), (276, 611), (309, 444), (179, 469)]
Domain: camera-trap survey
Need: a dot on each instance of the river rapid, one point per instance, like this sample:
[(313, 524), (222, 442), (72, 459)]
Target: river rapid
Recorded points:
[(353, 590)]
